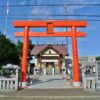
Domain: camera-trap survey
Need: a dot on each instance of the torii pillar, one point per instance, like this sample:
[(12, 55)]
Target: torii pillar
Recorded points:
[(50, 33), (76, 69), (25, 57)]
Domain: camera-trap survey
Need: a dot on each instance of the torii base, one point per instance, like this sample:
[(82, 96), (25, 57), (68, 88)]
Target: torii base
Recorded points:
[(23, 84), (76, 84)]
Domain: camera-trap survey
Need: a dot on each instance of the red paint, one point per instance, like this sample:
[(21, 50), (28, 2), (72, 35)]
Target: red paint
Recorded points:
[(75, 55), (24, 56), (55, 34)]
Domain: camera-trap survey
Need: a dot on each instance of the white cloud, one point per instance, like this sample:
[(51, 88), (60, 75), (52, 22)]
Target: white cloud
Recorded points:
[(71, 9), (41, 11), (23, 2), (48, 10)]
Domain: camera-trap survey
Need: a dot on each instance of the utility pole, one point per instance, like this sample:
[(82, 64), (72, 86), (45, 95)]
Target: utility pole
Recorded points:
[(7, 11), (65, 8)]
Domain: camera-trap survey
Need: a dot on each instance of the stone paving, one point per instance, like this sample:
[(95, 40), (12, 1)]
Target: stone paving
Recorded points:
[(50, 82), (50, 88)]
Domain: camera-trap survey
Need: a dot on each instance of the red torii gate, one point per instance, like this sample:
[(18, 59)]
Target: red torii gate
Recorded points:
[(50, 33)]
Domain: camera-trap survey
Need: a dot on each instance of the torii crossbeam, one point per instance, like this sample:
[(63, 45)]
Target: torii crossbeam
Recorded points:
[(50, 25)]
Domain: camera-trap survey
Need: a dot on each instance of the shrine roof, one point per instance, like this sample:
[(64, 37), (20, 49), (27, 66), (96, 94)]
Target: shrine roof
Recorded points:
[(62, 49)]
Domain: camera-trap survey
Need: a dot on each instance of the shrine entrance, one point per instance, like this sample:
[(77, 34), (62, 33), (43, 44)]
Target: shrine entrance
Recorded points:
[(49, 67), (50, 25)]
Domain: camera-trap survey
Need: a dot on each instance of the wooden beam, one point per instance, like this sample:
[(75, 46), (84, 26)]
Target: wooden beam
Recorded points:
[(50, 28), (61, 23), (56, 34)]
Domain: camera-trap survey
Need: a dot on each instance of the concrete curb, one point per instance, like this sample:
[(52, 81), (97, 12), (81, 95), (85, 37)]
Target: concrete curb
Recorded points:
[(48, 97)]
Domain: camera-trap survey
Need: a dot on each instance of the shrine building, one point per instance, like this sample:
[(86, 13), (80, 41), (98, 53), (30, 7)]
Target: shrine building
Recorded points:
[(50, 58)]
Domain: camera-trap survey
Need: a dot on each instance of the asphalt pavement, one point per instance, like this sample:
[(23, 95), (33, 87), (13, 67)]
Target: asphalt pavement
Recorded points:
[(50, 94)]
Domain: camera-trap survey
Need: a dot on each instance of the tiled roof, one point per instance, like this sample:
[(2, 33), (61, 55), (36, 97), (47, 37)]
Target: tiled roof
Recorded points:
[(88, 63), (60, 48)]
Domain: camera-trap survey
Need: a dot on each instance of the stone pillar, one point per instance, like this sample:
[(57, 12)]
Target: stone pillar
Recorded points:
[(17, 79), (88, 84), (34, 70), (93, 84), (44, 71), (53, 71), (84, 79)]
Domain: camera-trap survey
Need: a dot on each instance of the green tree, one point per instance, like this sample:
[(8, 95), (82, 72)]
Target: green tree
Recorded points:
[(20, 47), (8, 51), (98, 58)]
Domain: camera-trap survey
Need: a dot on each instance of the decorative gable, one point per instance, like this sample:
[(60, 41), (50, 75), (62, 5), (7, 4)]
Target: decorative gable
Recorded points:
[(49, 52)]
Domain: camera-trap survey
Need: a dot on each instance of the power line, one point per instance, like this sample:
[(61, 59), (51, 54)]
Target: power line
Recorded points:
[(52, 5), (20, 18), (92, 15)]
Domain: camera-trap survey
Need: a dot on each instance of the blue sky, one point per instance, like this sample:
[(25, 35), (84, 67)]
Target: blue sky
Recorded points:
[(86, 46)]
